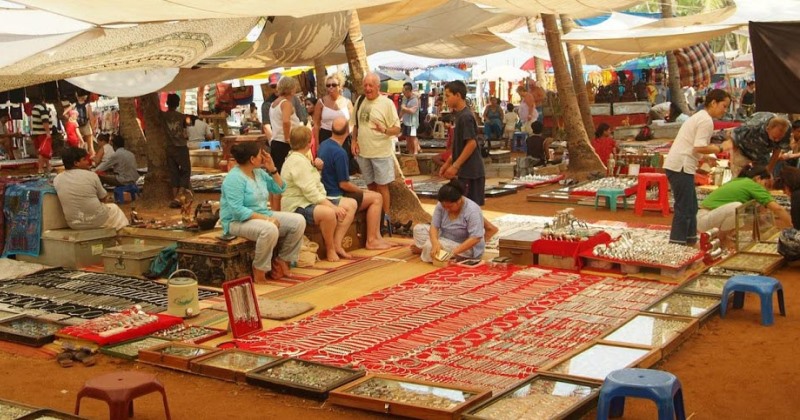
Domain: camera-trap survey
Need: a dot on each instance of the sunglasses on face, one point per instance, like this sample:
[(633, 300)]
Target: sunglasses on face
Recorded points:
[(331, 85)]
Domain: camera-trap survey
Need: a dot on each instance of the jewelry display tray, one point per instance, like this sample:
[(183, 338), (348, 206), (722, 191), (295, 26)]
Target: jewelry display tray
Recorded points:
[(261, 377), (174, 333), (174, 355), (50, 415), (594, 361), (242, 328), (9, 332), (705, 284), (15, 410), (548, 400), (129, 350), (686, 304), (760, 263), (223, 365), (461, 399), (652, 330)]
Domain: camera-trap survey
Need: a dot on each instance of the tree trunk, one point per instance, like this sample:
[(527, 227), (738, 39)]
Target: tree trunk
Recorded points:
[(157, 191), (576, 65), (673, 73), (131, 131), (356, 52), (538, 62), (320, 75), (583, 159), (405, 205)]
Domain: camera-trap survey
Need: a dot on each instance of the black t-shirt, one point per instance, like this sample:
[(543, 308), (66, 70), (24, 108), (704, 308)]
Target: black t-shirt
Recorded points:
[(795, 211), (535, 146), (466, 129)]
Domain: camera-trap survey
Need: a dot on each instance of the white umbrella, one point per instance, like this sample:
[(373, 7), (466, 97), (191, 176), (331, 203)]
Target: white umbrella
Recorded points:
[(508, 73)]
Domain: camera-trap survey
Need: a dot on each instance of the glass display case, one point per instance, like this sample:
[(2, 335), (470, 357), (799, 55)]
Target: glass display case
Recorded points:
[(130, 349), (598, 360), (175, 355), (28, 330), (303, 378), (760, 263), (408, 397), (686, 304), (231, 365), (653, 331), (189, 333), (705, 284), (540, 397)]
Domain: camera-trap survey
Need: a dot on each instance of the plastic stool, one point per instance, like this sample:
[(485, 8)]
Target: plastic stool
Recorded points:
[(662, 203), (210, 145), (119, 389), (519, 137), (762, 285), (611, 195), (661, 387), (119, 192)]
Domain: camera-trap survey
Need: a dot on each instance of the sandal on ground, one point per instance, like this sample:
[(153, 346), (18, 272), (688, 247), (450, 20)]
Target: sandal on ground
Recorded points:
[(85, 357), (64, 359), (174, 204)]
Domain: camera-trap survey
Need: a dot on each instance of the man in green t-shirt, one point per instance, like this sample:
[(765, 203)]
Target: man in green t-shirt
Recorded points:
[(718, 210)]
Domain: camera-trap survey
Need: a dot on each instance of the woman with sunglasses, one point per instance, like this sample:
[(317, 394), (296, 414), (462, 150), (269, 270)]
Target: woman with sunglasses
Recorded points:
[(330, 107)]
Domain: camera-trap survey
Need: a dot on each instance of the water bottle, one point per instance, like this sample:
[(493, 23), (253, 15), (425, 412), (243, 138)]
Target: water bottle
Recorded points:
[(612, 163)]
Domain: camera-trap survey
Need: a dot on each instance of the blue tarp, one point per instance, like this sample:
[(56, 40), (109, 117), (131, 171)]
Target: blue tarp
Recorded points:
[(442, 74), (602, 18)]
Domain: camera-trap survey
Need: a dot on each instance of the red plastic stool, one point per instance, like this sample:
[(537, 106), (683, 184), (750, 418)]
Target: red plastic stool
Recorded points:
[(662, 203), (119, 389)]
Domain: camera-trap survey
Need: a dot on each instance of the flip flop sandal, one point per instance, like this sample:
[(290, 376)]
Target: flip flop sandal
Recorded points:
[(86, 358), (64, 359)]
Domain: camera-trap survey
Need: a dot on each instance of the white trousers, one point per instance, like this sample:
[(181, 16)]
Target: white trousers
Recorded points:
[(722, 217), (266, 236)]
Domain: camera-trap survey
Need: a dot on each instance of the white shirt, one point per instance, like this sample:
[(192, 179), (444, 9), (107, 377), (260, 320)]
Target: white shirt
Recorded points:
[(198, 131), (276, 120), (695, 132)]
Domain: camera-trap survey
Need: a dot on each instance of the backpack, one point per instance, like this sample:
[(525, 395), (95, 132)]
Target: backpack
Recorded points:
[(164, 264), (789, 244), (83, 114), (645, 133)]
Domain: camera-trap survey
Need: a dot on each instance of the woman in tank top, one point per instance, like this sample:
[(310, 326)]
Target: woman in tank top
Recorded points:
[(283, 117), (330, 107)]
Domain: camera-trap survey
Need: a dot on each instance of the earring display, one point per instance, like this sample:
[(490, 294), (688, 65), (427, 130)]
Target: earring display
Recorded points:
[(541, 397), (303, 378), (174, 355), (597, 361), (242, 303), (760, 263), (189, 333), (653, 331), (130, 349), (231, 365), (705, 284), (685, 304), (407, 397), (29, 331)]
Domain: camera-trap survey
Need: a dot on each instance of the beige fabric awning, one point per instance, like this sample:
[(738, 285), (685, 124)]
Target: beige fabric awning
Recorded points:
[(574, 8), (138, 11)]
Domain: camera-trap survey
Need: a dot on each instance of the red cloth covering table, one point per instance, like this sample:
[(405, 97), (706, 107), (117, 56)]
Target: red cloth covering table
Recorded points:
[(614, 121), (76, 332), (569, 248)]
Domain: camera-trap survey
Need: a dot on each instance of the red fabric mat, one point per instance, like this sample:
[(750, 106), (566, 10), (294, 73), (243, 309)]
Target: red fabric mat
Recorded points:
[(76, 331), (475, 326)]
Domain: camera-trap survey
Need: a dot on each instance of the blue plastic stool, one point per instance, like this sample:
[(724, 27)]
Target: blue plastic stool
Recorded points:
[(762, 285), (119, 192), (519, 136), (611, 195), (661, 387), (210, 145)]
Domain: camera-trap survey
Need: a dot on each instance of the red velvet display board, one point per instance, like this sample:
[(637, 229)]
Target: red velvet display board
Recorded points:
[(721, 125), (568, 248), (76, 332)]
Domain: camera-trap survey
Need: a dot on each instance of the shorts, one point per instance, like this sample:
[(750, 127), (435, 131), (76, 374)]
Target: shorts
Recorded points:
[(307, 213), (85, 130), (358, 196), (377, 170), (409, 131), (42, 148)]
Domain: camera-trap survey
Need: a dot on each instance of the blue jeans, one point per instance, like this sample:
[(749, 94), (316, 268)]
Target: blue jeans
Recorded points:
[(684, 222)]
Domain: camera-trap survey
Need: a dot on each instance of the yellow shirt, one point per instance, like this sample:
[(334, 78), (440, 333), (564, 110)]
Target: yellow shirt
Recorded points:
[(371, 142), (303, 183)]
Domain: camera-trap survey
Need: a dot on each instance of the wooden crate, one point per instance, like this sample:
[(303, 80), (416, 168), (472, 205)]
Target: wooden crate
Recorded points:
[(517, 247), (405, 397), (215, 261), (350, 242)]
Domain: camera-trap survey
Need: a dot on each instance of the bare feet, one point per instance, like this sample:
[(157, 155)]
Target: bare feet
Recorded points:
[(259, 276), (378, 244), (283, 265), (342, 253), (276, 273), (332, 255)]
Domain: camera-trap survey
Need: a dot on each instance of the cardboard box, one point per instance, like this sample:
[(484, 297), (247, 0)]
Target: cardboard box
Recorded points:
[(73, 248), (555, 261)]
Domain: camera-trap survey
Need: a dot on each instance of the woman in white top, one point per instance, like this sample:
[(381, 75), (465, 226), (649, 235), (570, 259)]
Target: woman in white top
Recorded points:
[(283, 117), (104, 151), (198, 131), (691, 143), (330, 107)]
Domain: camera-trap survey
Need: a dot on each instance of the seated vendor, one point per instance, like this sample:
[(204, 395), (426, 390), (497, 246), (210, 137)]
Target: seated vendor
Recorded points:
[(244, 212), (80, 191), (306, 195), (718, 210), (336, 180), (120, 168), (457, 226)]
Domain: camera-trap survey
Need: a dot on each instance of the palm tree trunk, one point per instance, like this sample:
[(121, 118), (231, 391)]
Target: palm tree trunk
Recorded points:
[(673, 72), (319, 74), (405, 204), (131, 131), (157, 191), (583, 159), (537, 62), (356, 51), (576, 65)]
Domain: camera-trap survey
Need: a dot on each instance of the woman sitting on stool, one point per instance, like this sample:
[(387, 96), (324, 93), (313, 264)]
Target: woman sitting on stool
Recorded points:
[(306, 195), (457, 226), (244, 212)]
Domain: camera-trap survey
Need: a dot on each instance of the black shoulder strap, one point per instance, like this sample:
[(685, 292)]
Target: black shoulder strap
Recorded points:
[(359, 101)]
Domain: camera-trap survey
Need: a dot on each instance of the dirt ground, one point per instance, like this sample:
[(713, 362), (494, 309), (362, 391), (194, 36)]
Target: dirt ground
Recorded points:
[(732, 368)]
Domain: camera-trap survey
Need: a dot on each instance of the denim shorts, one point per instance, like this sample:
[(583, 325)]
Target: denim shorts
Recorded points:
[(307, 213)]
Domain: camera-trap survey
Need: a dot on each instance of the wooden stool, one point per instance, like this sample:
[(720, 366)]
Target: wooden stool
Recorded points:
[(119, 389)]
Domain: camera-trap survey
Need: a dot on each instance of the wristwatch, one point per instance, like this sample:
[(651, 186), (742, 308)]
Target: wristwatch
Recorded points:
[(273, 172)]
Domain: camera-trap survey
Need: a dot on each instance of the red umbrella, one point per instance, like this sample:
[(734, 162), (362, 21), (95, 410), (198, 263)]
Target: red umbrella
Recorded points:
[(531, 66)]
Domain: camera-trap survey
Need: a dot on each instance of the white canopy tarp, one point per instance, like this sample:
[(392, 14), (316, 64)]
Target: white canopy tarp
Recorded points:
[(507, 73), (139, 11), (125, 84)]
